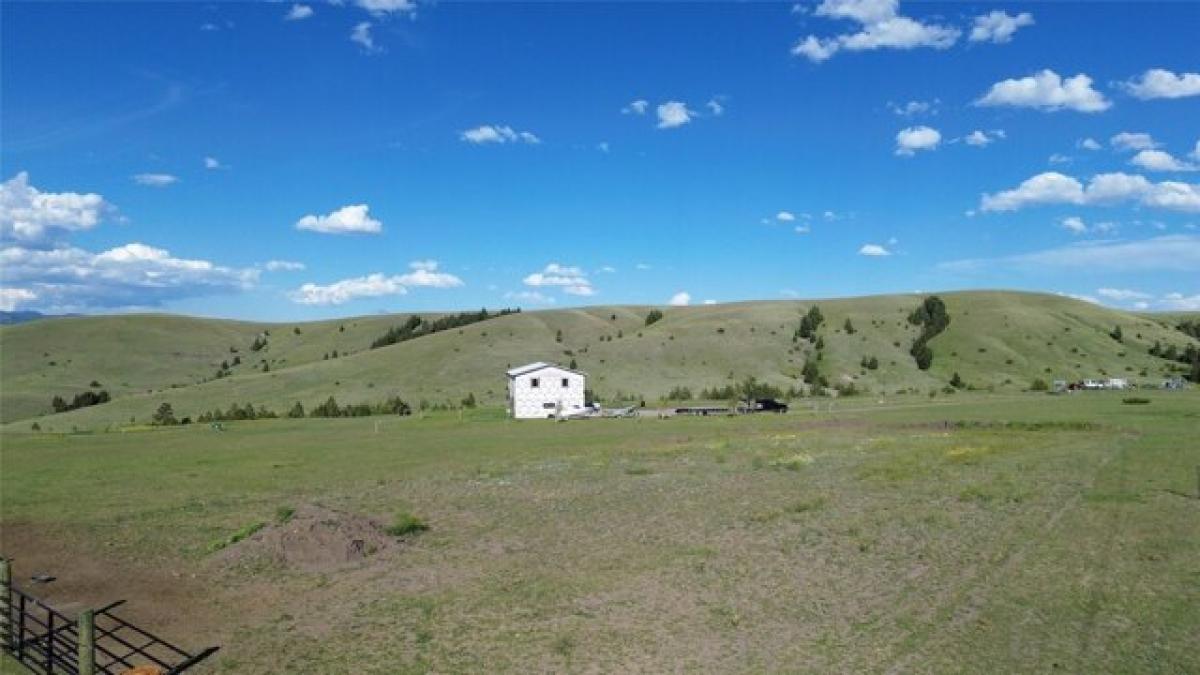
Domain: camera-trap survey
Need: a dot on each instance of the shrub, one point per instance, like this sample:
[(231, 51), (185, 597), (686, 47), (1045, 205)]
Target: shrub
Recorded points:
[(1133, 400), (405, 523), (1039, 385), (653, 316)]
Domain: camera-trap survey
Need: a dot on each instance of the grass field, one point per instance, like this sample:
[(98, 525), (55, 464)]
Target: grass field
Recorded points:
[(968, 533), (996, 340)]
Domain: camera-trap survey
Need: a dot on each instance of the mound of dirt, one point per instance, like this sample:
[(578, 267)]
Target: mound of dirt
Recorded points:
[(315, 539)]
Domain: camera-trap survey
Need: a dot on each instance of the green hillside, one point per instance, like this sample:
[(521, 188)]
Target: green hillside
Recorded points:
[(1002, 340), (132, 354)]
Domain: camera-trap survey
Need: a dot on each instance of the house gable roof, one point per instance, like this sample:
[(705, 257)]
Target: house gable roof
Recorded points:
[(540, 365)]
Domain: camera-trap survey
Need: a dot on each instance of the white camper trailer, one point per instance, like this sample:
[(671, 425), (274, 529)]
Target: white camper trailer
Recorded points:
[(544, 390)]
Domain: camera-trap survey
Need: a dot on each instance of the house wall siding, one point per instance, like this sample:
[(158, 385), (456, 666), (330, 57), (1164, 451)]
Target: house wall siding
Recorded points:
[(529, 402)]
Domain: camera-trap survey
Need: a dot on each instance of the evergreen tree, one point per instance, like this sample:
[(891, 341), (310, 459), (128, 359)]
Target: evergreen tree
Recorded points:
[(165, 415), (849, 327), (296, 411), (810, 372), (653, 316)]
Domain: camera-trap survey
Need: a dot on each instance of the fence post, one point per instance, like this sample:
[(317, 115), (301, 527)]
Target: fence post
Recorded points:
[(87, 642), (6, 640)]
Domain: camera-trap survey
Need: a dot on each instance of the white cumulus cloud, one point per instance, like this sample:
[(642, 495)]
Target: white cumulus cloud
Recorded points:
[(785, 216), (31, 217), (673, 114), (1088, 144), (879, 27), (1158, 160), (998, 27), (353, 219), (423, 273), (1046, 90), (572, 280), (135, 274), (1129, 141), (873, 250), (680, 299), (912, 139), (1160, 83), (1052, 187)]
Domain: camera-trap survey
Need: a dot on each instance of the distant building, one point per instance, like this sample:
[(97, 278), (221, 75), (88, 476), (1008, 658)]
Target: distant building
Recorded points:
[(1118, 383), (544, 390)]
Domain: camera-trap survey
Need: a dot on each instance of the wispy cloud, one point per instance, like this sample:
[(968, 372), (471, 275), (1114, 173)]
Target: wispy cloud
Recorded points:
[(298, 13), (499, 134), (1179, 253), (158, 180)]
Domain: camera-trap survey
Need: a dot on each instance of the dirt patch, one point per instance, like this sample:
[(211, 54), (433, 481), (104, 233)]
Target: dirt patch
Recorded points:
[(315, 539), (164, 595)]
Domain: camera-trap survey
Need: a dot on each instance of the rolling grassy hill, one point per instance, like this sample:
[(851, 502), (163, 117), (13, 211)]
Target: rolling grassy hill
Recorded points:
[(995, 339)]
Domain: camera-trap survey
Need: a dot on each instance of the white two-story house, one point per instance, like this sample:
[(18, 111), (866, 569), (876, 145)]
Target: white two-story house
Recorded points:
[(541, 390)]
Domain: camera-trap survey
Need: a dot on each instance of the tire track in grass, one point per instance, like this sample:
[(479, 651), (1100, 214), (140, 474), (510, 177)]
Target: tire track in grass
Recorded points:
[(960, 603)]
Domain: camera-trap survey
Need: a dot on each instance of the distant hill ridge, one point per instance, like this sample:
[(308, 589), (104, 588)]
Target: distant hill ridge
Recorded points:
[(994, 339)]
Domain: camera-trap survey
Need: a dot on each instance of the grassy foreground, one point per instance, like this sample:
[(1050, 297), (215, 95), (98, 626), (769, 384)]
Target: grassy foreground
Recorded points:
[(1031, 533)]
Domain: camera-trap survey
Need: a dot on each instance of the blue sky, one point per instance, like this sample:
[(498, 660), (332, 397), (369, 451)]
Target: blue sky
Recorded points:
[(308, 160)]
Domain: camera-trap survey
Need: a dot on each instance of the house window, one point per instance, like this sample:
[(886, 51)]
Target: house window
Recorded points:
[(566, 383), (534, 382), (548, 406)]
